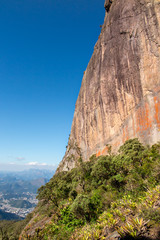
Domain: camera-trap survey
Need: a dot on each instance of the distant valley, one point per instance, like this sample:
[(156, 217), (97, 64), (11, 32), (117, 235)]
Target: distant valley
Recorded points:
[(18, 192)]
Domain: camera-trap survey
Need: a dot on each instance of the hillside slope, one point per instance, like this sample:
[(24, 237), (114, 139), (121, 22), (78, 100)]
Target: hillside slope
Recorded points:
[(117, 195)]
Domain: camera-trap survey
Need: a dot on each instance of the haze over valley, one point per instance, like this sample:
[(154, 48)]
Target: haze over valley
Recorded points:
[(18, 191)]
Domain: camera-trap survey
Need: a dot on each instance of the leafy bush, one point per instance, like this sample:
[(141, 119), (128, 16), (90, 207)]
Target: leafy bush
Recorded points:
[(108, 189), (69, 219)]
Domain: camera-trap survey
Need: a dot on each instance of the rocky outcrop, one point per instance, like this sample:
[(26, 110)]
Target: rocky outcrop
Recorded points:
[(107, 4), (120, 92)]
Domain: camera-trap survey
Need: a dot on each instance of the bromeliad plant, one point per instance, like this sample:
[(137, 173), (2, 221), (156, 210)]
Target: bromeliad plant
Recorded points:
[(134, 227)]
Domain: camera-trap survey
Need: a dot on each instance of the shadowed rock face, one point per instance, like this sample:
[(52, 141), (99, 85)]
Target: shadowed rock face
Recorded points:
[(107, 4), (120, 92)]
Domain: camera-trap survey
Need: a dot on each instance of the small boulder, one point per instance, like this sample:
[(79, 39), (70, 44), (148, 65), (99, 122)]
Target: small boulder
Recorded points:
[(113, 236)]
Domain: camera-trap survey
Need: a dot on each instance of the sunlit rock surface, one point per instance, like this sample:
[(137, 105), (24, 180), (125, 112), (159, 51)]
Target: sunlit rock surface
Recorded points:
[(119, 97)]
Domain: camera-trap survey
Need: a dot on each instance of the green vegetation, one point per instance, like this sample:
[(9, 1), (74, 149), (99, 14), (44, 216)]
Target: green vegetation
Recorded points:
[(10, 230), (115, 192)]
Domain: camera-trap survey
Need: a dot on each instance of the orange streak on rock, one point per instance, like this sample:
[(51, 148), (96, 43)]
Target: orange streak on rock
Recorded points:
[(143, 121), (125, 136), (157, 111), (133, 126), (98, 154), (117, 144), (104, 151)]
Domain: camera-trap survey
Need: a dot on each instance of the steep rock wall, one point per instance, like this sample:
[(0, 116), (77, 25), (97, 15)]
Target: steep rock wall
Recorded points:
[(120, 92)]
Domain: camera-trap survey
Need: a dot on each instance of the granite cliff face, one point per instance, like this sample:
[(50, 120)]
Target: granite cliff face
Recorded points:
[(120, 92)]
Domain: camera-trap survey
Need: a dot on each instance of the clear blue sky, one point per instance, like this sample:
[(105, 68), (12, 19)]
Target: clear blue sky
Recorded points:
[(45, 46)]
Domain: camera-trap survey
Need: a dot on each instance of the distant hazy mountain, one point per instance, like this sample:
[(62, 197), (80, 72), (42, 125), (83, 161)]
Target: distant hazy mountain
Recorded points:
[(21, 204), (33, 174), (12, 183), (30, 174), (8, 216), (15, 183), (18, 192)]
